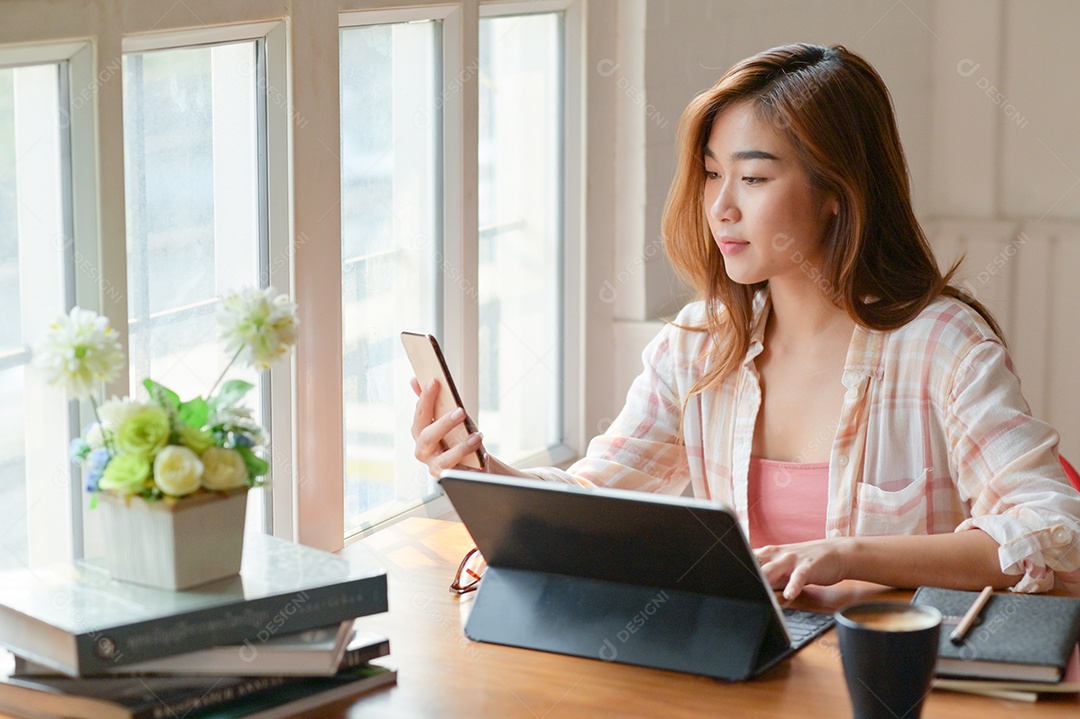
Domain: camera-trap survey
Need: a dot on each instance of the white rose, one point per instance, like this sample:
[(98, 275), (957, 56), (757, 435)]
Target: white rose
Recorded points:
[(223, 469), (177, 470)]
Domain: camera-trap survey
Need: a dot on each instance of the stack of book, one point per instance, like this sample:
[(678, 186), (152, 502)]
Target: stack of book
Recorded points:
[(275, 641), (1024, 646)]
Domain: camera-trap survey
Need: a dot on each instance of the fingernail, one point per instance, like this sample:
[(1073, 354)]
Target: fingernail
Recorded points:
[(475, 439), (457, 413), (431, 383)]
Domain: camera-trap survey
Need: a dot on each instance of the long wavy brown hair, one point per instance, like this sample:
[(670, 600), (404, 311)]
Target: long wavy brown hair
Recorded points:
[(835, 111)]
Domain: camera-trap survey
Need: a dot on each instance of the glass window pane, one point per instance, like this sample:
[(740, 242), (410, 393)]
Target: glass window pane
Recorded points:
[(32, 293), (194, 224), (520, 191), (390, 243)]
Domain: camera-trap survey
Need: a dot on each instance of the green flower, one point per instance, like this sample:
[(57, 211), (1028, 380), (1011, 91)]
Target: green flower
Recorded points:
[(199, 440), (144, 432), (125, 474)]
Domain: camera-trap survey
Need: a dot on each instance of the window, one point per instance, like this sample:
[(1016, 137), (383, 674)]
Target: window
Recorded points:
[(189, 151), (390, 254), (401, 270), (34, 259), (196, 227), (521, 234)]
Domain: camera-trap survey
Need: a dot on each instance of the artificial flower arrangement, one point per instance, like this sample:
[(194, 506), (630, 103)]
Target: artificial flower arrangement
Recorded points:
[(165, 448)]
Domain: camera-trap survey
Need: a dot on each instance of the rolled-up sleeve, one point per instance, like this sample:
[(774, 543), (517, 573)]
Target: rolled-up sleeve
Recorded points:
[(641, 450), (1007, 467)]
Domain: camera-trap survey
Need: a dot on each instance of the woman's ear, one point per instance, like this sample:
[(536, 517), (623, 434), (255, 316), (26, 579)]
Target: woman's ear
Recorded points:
[(830, 208)]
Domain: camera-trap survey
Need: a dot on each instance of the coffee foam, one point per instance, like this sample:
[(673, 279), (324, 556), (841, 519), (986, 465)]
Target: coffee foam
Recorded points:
[(891, 619)]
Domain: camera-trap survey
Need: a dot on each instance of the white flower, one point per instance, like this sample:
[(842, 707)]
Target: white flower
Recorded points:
[(223, 469), (114, 411), (95, 436), (238, 419), (177, 470), (78, 351), (258, 325)]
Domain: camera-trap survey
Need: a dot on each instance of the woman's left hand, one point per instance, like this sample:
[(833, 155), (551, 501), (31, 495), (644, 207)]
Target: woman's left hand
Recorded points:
[(792, 566)]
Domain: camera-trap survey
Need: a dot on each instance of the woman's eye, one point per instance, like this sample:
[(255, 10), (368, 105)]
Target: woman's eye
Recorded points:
[(753, 180), (710, 175)]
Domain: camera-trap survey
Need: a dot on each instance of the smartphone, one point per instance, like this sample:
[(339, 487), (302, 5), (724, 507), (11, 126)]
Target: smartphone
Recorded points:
[(428, 363)]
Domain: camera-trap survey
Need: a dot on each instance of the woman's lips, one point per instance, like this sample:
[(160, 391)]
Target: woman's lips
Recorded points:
[(730, 245)]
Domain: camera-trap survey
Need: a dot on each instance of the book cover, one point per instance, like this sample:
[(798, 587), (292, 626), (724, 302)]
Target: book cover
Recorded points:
[(1020, 637), (316, 652), (126, 697), (73, 618), (1018, 690), (301, 697), (189, 697)]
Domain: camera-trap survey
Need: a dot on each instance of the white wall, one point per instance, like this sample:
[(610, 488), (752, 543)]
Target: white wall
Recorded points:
[(986, 95)]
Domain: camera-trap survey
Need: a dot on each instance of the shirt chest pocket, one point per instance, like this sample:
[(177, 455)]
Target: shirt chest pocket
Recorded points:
[(897, 507)]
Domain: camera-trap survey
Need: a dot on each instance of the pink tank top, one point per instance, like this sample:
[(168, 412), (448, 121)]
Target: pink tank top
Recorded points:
[(788, 501)]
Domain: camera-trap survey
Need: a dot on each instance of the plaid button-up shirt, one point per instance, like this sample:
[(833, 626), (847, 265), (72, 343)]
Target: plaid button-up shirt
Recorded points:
[(934, 436)]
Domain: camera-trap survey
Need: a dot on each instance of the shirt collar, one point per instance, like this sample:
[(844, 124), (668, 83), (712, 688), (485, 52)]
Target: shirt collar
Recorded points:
[(865, 353), (761, 308)]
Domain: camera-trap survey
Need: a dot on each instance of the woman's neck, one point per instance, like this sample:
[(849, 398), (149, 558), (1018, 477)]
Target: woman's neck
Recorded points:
[(804, 315)]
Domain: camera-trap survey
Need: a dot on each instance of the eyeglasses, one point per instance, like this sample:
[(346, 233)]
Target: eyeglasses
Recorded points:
[(469, 572)]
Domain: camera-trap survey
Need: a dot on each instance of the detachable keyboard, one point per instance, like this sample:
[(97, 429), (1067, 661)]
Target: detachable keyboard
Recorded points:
[(805, 626)]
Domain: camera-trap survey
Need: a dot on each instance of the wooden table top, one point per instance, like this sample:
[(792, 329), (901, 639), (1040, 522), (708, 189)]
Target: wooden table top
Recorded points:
[(441, 673)]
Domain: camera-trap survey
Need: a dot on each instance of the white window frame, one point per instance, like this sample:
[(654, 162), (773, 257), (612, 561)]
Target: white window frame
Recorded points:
[(573, 190), (460, 219), (48, 486), (280, 495), (302, 139)]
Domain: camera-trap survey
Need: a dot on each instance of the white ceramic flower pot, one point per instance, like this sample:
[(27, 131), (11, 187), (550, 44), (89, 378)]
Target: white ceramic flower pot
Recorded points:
[(174, 546)]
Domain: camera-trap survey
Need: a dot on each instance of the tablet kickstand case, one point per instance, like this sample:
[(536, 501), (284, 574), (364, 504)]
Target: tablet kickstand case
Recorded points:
[(617, 576)]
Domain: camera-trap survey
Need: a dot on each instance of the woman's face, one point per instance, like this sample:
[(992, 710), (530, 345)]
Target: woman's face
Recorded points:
[(764, 216)]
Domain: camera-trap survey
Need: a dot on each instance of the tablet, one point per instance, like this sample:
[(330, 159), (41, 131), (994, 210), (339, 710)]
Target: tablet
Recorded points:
[(615, 575)]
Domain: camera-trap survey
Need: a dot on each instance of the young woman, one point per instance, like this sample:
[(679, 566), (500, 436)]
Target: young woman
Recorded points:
[(860, 415)]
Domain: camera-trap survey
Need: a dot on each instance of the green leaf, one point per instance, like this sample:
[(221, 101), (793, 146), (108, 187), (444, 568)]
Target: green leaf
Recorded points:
[(231, 392), (162, 394), (194, 412), (256, 466)]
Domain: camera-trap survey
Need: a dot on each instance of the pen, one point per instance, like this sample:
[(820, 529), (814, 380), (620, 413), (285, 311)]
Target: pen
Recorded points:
[(958, 634)]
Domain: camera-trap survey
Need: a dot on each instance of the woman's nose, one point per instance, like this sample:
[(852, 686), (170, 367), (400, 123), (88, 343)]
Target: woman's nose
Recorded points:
[(724, 207)]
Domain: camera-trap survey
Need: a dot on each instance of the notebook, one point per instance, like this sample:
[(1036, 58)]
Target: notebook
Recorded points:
[(1020, 637), (614, 575)]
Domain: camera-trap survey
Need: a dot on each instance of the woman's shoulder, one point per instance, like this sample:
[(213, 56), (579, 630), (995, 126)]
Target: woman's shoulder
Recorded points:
[(940, 345), (683, 341), (948, 322), (692, 315)]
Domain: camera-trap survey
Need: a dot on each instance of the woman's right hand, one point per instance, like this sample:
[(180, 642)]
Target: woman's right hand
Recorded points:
[(429, 433)]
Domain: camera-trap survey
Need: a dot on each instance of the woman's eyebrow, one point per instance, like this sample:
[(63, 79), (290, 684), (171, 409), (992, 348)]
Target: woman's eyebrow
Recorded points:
[(745, 155)]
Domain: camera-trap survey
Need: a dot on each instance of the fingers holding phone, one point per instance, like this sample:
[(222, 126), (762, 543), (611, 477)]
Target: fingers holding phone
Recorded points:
[(443, 442), (445, 436)]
